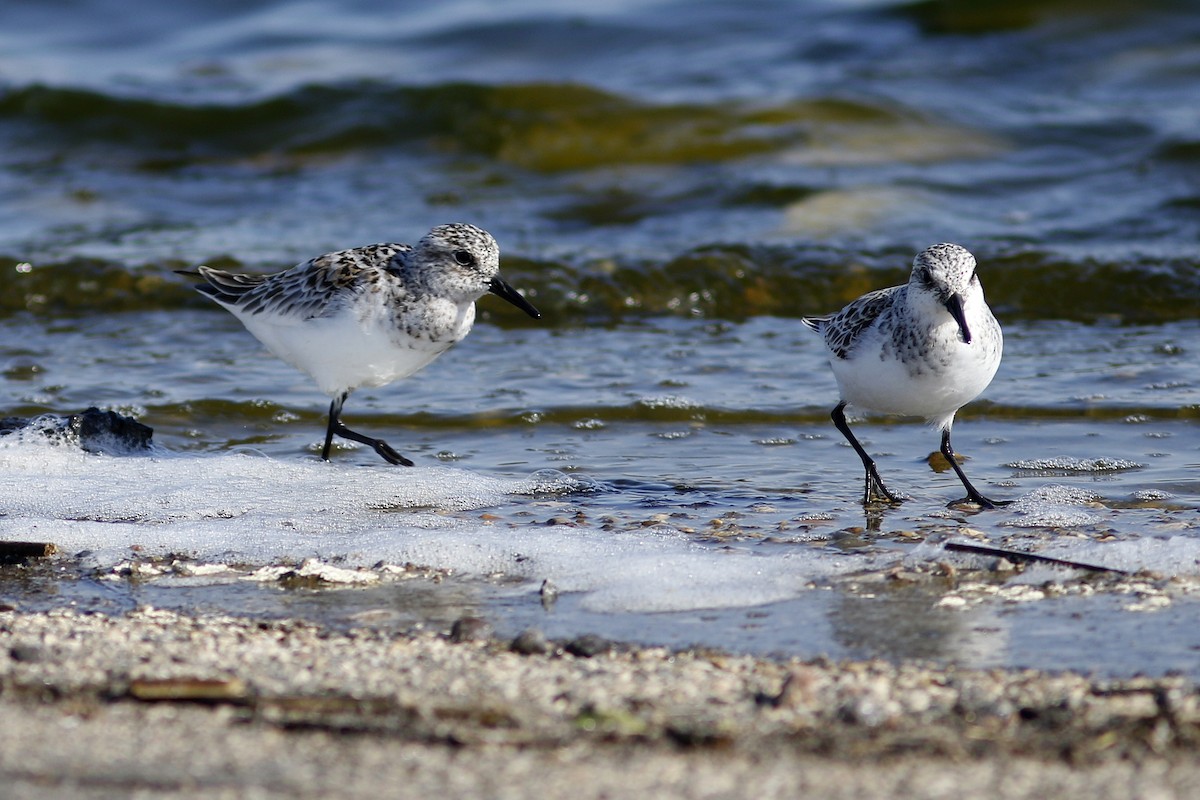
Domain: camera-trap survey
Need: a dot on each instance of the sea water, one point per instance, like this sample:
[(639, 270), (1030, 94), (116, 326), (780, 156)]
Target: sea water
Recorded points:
[(673, 185)]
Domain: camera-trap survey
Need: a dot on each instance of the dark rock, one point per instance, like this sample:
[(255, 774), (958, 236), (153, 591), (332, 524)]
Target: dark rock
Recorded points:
[(23, 552), (92, 430), (530, 642), (693, 734), (27, 653), (98, 429), (468, 629), (588, 646)]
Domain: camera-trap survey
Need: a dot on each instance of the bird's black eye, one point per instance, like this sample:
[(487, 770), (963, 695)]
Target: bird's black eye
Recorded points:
[(924, 278), (463, 257)]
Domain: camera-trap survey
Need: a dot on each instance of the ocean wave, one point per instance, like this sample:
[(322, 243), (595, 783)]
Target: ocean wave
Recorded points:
[(539, 126), (714, 281)]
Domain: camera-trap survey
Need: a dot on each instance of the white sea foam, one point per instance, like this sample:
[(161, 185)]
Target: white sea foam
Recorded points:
[(235, 506), (1055, 507), (656, 569), (1172, 556), (1067, 464), (252, 511)]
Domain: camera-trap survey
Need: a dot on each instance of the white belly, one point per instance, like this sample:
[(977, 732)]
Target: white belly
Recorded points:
[(874, 381), (342, 353)]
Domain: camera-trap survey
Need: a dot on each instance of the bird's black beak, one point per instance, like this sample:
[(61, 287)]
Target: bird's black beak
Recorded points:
[(955, 307), (499, 287)]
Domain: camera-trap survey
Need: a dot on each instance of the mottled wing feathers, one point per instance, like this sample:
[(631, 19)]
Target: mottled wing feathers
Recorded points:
[(843, 330), (312, 289), (226, 286)]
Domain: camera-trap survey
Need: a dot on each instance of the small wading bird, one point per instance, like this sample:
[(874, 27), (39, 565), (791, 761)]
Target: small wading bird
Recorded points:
[(370, 315), (924, 349)]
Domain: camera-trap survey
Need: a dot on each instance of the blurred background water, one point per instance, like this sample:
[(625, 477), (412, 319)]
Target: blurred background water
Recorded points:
[(673, 184)]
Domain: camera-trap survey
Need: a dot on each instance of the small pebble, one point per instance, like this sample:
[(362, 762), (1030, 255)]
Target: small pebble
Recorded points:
[(530, 642), (588, 646), (798, 690), (27, 653), (196, 690), (470, 629)]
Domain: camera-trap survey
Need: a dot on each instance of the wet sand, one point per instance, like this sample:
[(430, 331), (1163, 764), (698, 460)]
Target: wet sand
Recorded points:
[(161, 704)]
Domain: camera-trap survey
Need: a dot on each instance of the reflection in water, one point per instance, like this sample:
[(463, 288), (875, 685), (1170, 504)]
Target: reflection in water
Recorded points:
[(409, 604), (896, 620)]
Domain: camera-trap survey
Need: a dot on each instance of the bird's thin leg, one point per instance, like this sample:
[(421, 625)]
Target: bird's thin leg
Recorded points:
[(335, 413), (337, 427), (875, 489), (973, 494)]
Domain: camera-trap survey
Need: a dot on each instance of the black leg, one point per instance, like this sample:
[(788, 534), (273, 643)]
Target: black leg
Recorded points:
[(335, 426), (973, 494), (335, 413), (875, 490)]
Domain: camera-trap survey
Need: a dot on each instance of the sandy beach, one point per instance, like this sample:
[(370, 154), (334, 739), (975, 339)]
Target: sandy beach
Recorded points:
[(158, 704)]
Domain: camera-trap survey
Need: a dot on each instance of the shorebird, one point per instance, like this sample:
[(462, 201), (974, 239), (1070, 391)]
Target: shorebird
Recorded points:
[(368, 316), (924, 349)]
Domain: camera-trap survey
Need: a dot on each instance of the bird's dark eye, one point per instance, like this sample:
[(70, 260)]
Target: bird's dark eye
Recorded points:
[(463, 257), (924, 278)]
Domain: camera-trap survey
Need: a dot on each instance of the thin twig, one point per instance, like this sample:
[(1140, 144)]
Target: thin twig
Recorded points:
[(1017, 555)]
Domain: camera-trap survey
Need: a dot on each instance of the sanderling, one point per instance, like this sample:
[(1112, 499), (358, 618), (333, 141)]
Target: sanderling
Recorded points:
[(370, 315), (924, 349)]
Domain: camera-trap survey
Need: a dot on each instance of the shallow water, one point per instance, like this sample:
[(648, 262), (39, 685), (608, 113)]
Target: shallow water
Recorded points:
[(674, 186)]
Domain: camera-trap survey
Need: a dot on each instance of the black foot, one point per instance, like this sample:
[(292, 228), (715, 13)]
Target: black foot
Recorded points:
[(389, 455), (876, 493), (385, 451), (337, 428), (973, 495), (882, 499)]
